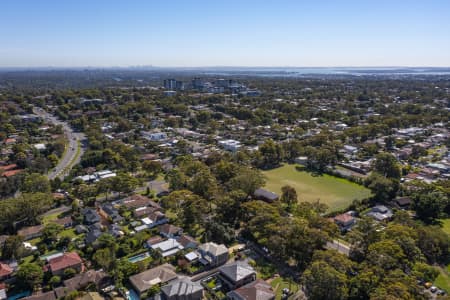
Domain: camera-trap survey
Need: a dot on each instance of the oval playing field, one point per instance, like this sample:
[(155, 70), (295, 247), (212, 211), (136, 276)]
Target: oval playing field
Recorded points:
[(336, 192)]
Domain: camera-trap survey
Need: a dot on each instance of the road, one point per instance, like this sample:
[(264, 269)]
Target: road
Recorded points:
[(339, 247), (74, 149)]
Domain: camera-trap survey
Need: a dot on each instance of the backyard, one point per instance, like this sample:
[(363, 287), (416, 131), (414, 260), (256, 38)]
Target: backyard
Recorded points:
[(443, 280), (336, 192), (280, 283)]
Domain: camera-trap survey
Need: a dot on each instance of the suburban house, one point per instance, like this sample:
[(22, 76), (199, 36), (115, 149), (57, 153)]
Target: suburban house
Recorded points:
[(5, 271), (65, 222), (136, 201), (31, 232), (170, 231), (237, 274), (92, 236), (345, 221), (142, 282), (187, 242), (143, 211), (81, 281), (256, 290), (403, 202), (157, 218), (154, 136), (213, 254), (301, 160), (57, 265), (182, 289), (108, 211), (153, 240), (380, 213), (90, 216), (265, 195), (42, 296), (167, 247)]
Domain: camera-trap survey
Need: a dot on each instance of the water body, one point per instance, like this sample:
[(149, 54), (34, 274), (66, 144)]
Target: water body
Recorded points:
[(301, 72)]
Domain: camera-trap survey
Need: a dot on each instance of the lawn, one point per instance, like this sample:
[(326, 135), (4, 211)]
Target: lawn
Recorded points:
[(51, 217), (278, 284), (336, 192), (443, 280), (446, 225), (70, 233)]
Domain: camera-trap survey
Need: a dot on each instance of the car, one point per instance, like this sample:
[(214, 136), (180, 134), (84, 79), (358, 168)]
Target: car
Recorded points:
[(433, 289), (427, 285)]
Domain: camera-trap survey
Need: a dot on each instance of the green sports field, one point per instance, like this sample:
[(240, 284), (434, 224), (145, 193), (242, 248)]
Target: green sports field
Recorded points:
[(336, 192)]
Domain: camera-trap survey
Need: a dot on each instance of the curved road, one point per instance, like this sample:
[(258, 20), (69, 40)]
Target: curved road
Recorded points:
[(73, 151)]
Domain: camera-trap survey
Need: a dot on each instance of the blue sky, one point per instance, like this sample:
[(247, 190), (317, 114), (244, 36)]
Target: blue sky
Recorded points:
[(224, 33)]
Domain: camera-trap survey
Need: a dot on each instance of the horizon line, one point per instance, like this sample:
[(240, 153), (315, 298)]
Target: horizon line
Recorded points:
[(217, 66)]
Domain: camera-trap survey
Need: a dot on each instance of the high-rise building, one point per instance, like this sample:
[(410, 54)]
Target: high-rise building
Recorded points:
[(173, 85)]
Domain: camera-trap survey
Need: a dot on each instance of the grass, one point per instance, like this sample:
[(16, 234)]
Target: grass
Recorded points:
[(336, 192), (48, 218), (70, 233), (443, 280), (446, 225), (278, 284)]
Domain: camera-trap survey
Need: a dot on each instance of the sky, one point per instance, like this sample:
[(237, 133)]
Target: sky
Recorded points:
[(196, 33)]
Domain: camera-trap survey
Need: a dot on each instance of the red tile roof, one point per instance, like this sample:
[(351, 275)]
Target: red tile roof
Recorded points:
[(11, 173), (343, 218), (67, 260), (8, 167), (5, 270)]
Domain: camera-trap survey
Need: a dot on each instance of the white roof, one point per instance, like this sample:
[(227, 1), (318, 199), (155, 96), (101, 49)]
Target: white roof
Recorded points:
[(39, 146), (140, 228), (108, 175), (167, 245), (191, 256), (146, 221), (104, 172)]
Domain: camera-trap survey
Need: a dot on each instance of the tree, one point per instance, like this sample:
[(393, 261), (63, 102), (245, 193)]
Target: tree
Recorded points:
[(386, 164), (322, 281), (383, 188), (425, 272), (429, 205), (272, 153), (105, 258), (434, 244), (176, 179), (203, 184), (30, 275), (13, 247), (54, 281), (124, 183), (152, 167), (387, 255), (50, 232), (69, 273), (288, 196), (36, 183), (247, 180)]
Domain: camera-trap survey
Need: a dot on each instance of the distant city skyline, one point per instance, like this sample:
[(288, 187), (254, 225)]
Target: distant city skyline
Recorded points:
[(200, 33)]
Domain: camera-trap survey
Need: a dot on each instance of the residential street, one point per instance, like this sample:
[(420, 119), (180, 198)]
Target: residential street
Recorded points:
[(74, 149)]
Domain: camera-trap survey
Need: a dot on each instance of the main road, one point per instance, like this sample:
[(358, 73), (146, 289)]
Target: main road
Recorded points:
[(74, 148)]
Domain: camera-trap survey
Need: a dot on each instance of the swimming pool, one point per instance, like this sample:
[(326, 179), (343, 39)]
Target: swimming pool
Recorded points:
[(139, 257), (132, 295)]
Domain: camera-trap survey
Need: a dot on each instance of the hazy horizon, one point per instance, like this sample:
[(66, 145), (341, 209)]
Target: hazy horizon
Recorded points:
[(204, 34)]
